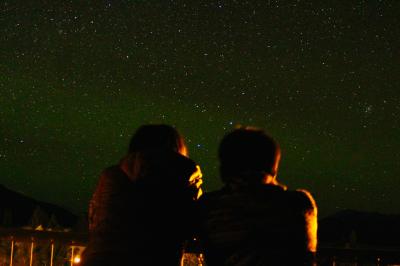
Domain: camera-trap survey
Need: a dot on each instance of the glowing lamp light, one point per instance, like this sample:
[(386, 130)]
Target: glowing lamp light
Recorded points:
[(77, 259)]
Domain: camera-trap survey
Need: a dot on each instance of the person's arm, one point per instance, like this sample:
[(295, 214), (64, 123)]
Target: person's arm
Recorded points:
[(310, 213)]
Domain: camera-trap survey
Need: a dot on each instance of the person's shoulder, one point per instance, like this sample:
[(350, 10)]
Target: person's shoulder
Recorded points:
[(302, 198), (112, 176), (109, 181)]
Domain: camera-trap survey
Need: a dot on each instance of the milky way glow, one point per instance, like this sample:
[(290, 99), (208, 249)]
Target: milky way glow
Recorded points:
[(76, 79)]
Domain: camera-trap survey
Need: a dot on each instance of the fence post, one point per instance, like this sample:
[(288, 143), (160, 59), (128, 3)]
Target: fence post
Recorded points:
[(12, 252), (31, 257), (52, 253), (72, 255)]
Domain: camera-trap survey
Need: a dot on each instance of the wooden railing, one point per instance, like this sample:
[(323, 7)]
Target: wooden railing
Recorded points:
[(33, 247), (54, 248)]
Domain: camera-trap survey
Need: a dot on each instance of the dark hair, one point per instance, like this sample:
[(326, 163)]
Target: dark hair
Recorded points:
[(156, 137), (245, 151)]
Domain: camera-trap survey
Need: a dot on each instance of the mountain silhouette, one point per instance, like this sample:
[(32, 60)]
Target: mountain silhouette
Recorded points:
[(18, 210), (360, 228)]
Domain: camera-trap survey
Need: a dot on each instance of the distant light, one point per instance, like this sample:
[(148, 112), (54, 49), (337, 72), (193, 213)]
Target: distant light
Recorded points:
[(77, 259)]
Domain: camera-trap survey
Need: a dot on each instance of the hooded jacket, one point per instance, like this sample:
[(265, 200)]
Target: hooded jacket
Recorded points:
[(143, 210)]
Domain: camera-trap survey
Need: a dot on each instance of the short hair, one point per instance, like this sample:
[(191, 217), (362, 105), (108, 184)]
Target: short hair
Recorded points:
[(247, 150), (157, 136)]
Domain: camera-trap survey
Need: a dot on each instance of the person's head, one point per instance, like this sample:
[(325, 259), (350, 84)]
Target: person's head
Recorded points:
[(161, 136), (248, 153)]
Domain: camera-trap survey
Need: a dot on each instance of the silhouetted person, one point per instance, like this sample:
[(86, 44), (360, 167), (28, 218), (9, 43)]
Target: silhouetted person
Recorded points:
[(142, 210), (253, 220)]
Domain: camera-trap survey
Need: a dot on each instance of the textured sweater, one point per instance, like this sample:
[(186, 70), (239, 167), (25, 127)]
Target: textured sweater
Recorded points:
[(262, 225)]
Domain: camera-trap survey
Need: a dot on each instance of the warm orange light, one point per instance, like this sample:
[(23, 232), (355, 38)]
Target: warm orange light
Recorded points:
[(311, 222), (312, 230), (77, 259), (196, 180), (184, 151)]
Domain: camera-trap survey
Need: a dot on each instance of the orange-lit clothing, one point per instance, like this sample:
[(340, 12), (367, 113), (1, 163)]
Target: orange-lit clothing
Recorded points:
[(261, 225), (142, 210)]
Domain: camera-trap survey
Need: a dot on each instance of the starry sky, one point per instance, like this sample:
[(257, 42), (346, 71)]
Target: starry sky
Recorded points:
[(322, 77)]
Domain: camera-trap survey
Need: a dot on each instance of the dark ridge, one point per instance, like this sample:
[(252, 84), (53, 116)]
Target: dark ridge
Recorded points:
[(18, 210), (350, 227)]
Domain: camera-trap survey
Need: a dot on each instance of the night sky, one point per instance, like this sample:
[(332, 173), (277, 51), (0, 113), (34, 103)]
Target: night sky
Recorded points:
[(322, 77)]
